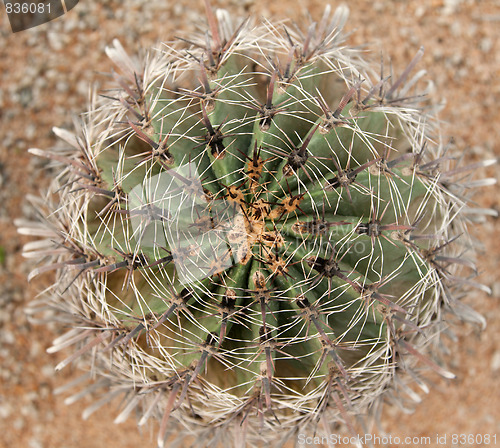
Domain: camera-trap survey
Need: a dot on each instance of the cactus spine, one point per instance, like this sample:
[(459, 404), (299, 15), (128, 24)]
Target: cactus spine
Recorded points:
[(255, 234)]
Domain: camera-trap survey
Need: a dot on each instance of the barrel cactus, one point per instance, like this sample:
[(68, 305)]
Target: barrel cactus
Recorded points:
[(255, 234)]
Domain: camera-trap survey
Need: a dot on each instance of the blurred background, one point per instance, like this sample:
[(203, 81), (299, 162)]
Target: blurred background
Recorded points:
[(45, 73)]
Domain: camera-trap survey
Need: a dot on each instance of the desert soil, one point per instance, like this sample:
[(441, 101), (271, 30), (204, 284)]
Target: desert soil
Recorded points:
[(44, 77)]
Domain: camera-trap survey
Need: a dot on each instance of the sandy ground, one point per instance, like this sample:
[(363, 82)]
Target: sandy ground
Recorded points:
[(44, 78)]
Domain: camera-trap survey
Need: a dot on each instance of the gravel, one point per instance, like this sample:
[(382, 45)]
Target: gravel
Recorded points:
[(44, 77)]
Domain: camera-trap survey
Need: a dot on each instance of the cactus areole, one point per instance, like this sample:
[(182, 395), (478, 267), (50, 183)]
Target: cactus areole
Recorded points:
[(253, 234)]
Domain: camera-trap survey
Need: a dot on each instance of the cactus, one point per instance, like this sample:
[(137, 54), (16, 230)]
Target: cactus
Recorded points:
[(255, 233)]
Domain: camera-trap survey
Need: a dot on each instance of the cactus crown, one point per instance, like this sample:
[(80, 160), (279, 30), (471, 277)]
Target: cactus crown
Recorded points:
[(254, 232)]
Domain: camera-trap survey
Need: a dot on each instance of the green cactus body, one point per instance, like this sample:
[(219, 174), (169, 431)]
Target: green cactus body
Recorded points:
[(259, 250)]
